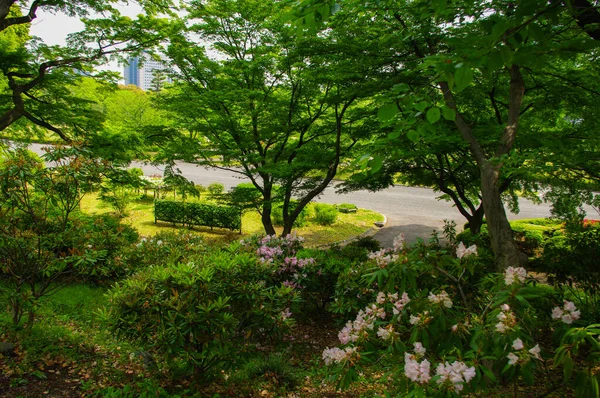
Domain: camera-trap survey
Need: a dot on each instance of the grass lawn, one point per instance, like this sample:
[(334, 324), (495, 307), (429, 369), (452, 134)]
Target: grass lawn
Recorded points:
[(140, 215)]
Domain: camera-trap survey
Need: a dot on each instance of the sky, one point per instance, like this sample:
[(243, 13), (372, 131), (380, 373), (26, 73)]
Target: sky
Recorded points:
[(54, 28)]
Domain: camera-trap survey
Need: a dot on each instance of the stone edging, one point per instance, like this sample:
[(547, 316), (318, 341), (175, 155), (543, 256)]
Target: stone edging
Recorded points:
[(370, 232)]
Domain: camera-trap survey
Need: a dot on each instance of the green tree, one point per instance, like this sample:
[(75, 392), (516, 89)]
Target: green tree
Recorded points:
[(40, 76), (451, 53), (276, 110)]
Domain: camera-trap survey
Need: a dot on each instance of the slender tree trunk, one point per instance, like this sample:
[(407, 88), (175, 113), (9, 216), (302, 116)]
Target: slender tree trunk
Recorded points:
[(267, 208), (505, 250)]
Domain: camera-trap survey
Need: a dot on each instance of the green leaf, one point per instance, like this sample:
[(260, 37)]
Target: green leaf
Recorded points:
[(463, 77), (568, 367), (421, 106), (394, 134), (448, 113), (433, 115), (495, 61), (387, 112), (412, 135), (376, 164)]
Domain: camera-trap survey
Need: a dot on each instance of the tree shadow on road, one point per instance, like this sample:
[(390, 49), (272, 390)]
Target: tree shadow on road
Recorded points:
[(412, 232)]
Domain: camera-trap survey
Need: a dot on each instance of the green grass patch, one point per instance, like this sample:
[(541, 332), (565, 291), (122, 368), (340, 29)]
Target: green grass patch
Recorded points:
[(140, 215)]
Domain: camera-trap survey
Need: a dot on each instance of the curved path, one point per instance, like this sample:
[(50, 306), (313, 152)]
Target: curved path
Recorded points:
[(415, 212)]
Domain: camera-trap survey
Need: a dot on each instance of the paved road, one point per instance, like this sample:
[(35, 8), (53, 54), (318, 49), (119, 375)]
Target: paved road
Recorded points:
[(415, 212)]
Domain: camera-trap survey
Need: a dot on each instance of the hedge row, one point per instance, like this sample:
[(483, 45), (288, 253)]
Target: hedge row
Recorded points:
[(194, 213)]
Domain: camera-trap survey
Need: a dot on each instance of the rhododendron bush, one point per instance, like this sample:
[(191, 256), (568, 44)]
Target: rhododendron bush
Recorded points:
[(438, 327)]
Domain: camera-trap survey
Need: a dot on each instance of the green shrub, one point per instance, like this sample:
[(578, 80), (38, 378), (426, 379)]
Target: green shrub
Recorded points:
[(216, 188), (325, 214), (197, 213), (277, 214), (201, 316)]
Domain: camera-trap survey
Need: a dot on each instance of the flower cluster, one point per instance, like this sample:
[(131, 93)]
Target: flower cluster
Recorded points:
[(514, 275), (291, 264), (455, 374), (462, 251), (386, 333), (507, 320), (398, 303), (420, 319), (398, 243), (419, 372), (268, 254), (354, 331), (338, 355), (520, 354), (441, 298), (567, 314), (383, 257)]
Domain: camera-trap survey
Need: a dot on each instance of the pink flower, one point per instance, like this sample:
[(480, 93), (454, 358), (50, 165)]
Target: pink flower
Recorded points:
[(567, 314), (514, 275), (419, 349), (417, 372), (535, 352), (517, 344), (441, 298), (462, 251), (512, 359), (455, 374)]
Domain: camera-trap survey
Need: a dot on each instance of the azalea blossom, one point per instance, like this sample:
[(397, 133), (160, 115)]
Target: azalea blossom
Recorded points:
[(455, 374), (398, 242), (514, 275), (462, 251), (383, 257), (535, 352), (400, 304), (441, 298), (567, 314), (507, 320), (419, 349), (386, 333), (512, 358), (517, 344), (338, 355), (415, 370)]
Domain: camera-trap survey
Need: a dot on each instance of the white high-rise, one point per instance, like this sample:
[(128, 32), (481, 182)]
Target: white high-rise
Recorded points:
[(141, 72)]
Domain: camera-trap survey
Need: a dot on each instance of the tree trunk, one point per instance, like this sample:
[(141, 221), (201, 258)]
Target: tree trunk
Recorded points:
[(476, 221), (505, 250)]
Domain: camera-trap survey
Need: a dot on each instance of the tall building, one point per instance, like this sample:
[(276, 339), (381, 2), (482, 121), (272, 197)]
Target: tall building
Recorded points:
[(141, 72)]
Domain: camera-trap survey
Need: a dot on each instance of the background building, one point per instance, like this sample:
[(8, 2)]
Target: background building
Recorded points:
[(146, 73)]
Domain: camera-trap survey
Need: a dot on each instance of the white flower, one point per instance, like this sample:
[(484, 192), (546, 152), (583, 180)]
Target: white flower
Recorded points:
[(507, 320), (398, 242), (441, 298), (462, 251), (454, 328), (456, 373), (400, 304), (414, 319), (517, 344), (514, 275), (380, 298), (535, 352), (337, 355), (417, 372), (419, 349), (512, 358), (567, 314)]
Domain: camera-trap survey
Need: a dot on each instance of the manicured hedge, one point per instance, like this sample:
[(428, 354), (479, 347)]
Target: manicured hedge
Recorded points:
[(195, 213)]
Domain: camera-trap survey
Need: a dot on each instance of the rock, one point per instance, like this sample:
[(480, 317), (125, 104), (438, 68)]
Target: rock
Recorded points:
[(7, 349), (379, 224)]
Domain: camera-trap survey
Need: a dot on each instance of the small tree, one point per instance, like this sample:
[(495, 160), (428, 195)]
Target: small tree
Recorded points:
[(36, 209)]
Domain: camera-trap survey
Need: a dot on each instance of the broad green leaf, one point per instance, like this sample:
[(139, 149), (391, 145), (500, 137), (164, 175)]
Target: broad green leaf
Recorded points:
[(412, 135), (376, 163), (463, 77), (393, 135), (387, 112), (495, 61), (421, 106), (433, 115), (448, 113)]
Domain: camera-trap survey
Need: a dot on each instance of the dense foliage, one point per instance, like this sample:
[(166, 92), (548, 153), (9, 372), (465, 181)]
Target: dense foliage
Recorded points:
[(197, 213)]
